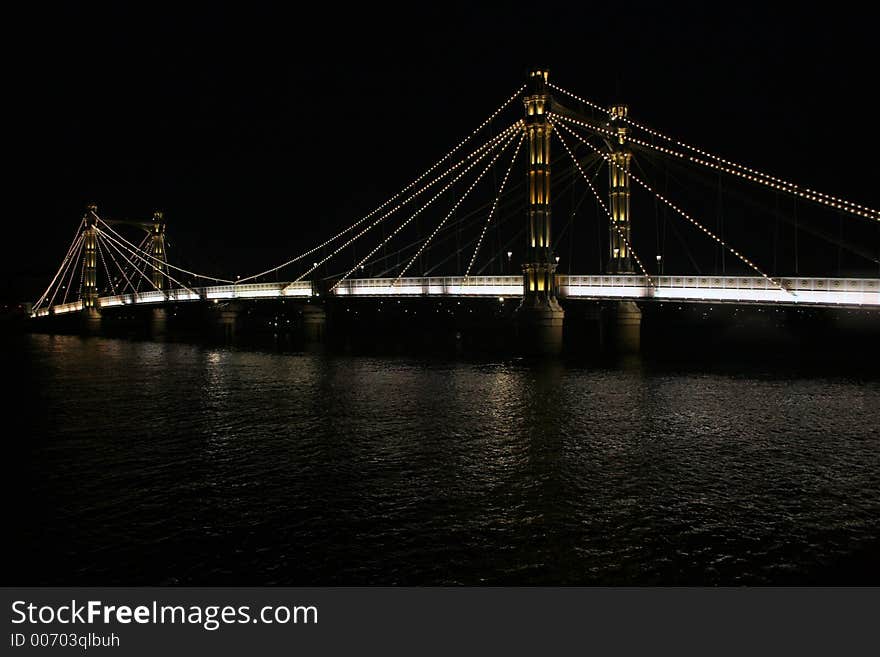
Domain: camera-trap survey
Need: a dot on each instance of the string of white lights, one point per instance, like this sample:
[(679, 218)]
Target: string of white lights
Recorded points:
[(677, 210), (420, 210), (731, 167), (580, 99), (583, 124), (76, 236), (145, 261), (117, 245), (106, 269), (118, 249), (69, 285), (72, 268), (159, 260), (480, 153), (494, 207), (122, 271), (602, 203), (783, 186), (455, 207), (142, 247), (403, 191)]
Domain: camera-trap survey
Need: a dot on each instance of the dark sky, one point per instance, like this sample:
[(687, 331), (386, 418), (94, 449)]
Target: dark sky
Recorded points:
[(259, 128)]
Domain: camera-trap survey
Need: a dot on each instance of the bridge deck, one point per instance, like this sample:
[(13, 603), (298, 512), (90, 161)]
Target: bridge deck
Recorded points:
[(828, 292)]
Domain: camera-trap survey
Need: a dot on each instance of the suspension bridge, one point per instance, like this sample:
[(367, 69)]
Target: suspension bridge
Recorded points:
[(436, 237)]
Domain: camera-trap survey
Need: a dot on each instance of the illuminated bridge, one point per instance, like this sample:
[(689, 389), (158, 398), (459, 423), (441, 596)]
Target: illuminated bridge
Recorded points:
[(602, 162)]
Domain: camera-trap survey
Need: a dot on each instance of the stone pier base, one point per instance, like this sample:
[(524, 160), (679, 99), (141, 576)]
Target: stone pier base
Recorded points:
[(539, 329), (628, 327)]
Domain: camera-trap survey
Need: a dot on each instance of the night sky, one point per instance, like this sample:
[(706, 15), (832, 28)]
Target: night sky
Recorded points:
[(259, 130)]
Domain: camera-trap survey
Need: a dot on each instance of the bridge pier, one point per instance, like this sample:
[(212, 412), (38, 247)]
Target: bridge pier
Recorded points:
[(628, 327), (225, 320), (314, 322), (90, 321)]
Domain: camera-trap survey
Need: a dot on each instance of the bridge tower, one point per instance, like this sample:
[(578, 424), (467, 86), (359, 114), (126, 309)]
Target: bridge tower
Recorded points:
[(157, 250), (89, 291), (620, 261), (619, 258), (540, 315)]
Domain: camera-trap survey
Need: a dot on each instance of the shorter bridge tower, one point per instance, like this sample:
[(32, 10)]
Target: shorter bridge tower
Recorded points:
[(628, 316)]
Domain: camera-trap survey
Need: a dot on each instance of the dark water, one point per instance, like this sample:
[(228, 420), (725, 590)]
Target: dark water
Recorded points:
[(149, 463)]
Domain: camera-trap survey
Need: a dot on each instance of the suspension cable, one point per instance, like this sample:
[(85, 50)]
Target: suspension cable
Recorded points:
[(121, 270), (479, 154), (67, 287), (604, 207), (106, 269), (494, 207), (421, 209), (403, 191), (455, 207), (159, 260), (680, 212), (76, 237), (731, 167), (70, 265), (116, 244)]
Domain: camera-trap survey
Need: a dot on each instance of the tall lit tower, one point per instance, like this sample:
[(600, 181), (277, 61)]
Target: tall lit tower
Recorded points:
[(89, 272), (540, 314), (157, 250), (620, 259)]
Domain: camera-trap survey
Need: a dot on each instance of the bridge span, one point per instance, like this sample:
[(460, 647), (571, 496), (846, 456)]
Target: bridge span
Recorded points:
[(103, 269), (816, 292)]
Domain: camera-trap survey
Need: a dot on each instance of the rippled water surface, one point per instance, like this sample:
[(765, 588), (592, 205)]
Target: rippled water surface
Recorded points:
[(150, 463)]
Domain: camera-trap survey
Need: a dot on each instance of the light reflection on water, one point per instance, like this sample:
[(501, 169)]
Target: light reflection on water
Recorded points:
[(151, 463)]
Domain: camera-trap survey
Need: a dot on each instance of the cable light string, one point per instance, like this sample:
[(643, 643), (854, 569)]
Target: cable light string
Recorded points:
[(122, 271), (78, 244), (72, 267), (455, 207), (159, 260), (731, 167), (494, 207), (604, 206), (403, 191), (580, 99), (106, 269), (113, 242), (679, 211), (116, 244), (480, 153), (783, 186), (420, 210), (142, 247), (76, 237), (67, 287)]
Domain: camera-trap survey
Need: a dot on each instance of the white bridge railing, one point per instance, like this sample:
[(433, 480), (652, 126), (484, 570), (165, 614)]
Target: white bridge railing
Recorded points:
[(720, 289)]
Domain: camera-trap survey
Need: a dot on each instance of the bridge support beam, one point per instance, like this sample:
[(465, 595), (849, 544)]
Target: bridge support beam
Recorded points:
[(539, 317)]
